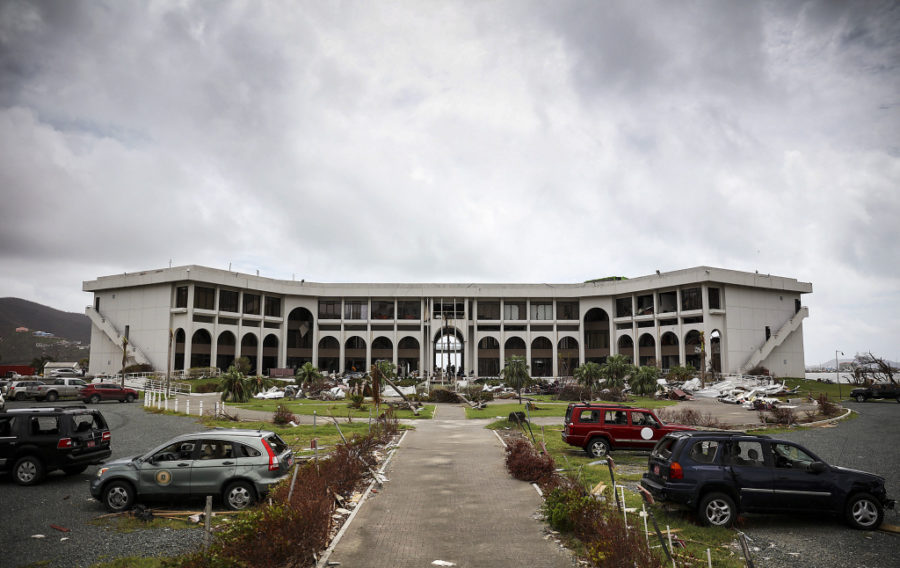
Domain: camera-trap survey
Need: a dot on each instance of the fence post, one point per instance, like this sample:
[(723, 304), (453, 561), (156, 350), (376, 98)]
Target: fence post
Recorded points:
[(187, 407), (201, 409)]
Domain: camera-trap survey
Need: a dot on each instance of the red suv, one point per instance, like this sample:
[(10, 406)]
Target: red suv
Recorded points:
[(95, 392), (599, 428)]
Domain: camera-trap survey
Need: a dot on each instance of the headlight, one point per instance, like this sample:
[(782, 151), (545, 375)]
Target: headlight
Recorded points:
[(101, 471)]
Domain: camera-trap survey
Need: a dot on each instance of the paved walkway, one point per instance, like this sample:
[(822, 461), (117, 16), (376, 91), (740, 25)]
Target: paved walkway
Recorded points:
[(449, 498)]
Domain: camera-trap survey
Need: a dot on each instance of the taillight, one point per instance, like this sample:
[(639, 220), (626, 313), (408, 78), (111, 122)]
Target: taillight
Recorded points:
[(273, 459), (64, 443), (106, 436), (675, 471)]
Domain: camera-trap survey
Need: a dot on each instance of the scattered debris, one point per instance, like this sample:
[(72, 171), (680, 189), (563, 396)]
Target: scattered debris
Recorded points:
[(38, 536), (60, 529), (442, 563)]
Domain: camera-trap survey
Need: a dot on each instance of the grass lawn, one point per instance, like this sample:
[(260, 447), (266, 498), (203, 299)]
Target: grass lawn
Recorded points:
[(630, 465), (325, 408), (835, 392), (555, 408)]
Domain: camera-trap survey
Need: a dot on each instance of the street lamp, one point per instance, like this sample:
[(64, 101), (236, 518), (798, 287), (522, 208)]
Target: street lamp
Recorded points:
[(837, 371)]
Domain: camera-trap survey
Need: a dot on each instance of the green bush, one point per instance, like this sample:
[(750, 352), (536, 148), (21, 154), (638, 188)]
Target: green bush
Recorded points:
[(442, 395)]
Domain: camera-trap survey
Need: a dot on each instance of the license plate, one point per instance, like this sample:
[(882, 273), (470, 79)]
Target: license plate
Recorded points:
[(656, 469), (90, 444)]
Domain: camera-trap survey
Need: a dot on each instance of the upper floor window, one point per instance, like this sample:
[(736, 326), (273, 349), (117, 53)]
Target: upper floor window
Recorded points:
[(567, 310), (690, 299), (623, 307), (228, 301), (251, 304), (715, 300), (273, 307), (382, 309), (181, 295), (542, 310), (645, 305), (514, 310), (329, 309), (204, 298), (449, 310), (356, 309), (488, 310), (668, 302), (409, 309)]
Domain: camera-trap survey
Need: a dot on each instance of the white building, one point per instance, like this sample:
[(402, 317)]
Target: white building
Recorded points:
[(195, 316)]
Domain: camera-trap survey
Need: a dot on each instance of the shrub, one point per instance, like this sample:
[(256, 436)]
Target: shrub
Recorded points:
[(574, 392), (197, 372), (614, 394), (356, 401), (282, 415), (525, 463), (443, 395), (206, 387), (826, 407), (689, 417), (784, 416), (139, 368)]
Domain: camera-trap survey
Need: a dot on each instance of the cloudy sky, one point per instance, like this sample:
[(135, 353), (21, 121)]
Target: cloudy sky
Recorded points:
[(458, 141)]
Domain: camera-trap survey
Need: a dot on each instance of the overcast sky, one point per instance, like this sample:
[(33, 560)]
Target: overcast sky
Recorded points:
[(458, 142)]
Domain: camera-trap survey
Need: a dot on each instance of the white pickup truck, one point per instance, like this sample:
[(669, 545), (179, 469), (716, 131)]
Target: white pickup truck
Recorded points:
[(53, 389)]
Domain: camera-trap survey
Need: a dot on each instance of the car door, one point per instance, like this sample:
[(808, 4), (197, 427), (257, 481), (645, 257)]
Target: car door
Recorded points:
[(746, 460), (645, 429), (214, 465), (7, 440), (167, 470), (795, 485)]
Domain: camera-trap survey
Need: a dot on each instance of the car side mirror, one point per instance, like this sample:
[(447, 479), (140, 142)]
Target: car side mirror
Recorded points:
[(817, 467)]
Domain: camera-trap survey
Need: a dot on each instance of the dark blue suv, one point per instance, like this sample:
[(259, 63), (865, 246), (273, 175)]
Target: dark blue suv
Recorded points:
[(721, 474)]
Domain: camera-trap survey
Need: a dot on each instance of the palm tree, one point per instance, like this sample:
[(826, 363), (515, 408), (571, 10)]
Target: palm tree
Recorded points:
[(681, 374), (308, 374), (515, 373), (260, 383), (643, 382), (615, 370), (589, 375), (234, 386), (380, 370)]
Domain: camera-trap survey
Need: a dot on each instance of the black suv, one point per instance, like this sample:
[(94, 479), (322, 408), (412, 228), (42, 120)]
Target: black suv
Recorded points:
[(721, 474), (877, 390), (36, 441)]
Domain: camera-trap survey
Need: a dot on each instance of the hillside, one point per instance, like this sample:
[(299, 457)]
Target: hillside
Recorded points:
[(21, 348)]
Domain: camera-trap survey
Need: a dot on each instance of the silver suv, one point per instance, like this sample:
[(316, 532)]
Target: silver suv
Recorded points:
[(238, 465)]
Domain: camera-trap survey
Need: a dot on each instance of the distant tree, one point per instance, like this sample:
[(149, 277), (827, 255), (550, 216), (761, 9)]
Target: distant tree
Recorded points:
[(260, 383), (682, 374), (307, 375), (869, 368), (643, 382), (589, 375), (39, 362), (242, 365), (515, 374), (380, 371), (85, 363), (234, 386), (615, 370)]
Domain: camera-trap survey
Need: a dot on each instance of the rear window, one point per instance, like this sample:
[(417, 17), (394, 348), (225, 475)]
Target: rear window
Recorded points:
[(277, 444), (569, 414), (84, 422), (663, 448)]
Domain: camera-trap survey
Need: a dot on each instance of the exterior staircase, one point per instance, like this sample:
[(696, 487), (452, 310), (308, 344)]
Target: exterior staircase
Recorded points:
[(132, 352), (776, 339)]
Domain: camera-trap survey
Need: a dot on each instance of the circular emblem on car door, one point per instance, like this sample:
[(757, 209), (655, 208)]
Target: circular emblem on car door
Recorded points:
[(163, 477), (647, 433)]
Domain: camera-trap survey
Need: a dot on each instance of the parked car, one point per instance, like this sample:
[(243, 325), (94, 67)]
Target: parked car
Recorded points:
[(58, 388), (721, 474), (95, 392), (877, 390), (36, 441), (64, 373), (599, 428), (238, 465), (21, 390)]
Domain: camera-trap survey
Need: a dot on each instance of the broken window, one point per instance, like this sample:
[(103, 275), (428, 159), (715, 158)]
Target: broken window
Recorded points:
[(204, 298), (489, 310), (383, 309), (645, 305), (623, 307), (567, 310), (704, 452), (668, 302), (691, 299)]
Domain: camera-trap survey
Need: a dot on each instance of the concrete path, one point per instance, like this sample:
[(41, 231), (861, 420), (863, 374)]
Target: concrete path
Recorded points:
[(449, 498)]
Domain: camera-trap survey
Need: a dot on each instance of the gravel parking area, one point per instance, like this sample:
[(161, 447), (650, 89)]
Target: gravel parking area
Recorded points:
[(867, 443), (65, 501)]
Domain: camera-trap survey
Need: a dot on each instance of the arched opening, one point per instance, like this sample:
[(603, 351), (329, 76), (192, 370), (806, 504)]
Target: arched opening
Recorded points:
[(249, 345), (201, 348), (178, 364), (488, 357), (449, 351), (668, 348), (382, 349), (225, 350), (270, 353), (541, 357), (567, 353), (514, 346), (693, 351), (596, 335), (329, 355), (408, 356), (646, 350), (299, 338), (625, 346), (355, 355), (715, 350)]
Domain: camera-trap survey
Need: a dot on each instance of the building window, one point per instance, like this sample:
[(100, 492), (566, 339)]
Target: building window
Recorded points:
[(690, 299), (623, 307), (514, 310), (330, 309), (567, 310), (273, 307), (542, 310), (251, 304), (228, 301), (181, 294), (449, 310), (715, 302), (382, 309), (204, 298), (668, 302), (488, 310), (409, 309), (645, 305), (356, 309)]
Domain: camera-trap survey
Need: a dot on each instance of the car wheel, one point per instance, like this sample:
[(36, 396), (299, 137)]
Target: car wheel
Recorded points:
[(864, 512), (52, 396), (28, 470), (860, 398), (95, 398), (74, 470), (129, 398), (717, 510), (239, 495), (20, 396), (597, 448), (118, 496)]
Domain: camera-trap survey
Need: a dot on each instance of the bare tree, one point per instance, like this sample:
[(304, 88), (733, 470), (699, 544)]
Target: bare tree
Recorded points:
[(867, 368)]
